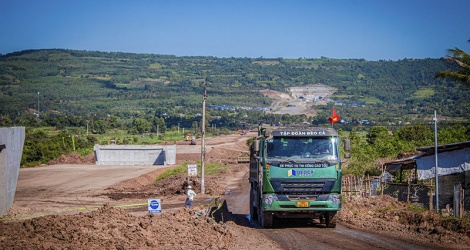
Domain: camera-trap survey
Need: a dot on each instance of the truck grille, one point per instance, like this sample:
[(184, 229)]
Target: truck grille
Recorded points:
[(302, 188)]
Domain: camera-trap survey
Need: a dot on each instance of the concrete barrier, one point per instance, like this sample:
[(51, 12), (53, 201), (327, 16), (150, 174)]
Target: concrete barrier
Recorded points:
[(11, 149), (145, 155)]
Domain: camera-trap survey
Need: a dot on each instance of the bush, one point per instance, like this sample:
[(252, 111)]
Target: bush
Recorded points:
[(39, 148)]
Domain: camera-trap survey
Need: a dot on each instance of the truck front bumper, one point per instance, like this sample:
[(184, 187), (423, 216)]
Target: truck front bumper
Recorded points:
[(329, 202)]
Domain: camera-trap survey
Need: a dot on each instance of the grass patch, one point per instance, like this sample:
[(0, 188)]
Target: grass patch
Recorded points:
[(416, 209), (267, 62), (424, 93), (209, 168), (181, 169), (371, 100), (387, 208), (214, 168), (85, 151)]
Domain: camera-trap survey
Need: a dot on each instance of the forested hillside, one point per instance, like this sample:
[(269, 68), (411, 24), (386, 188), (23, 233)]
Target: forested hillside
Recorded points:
[(126, 85)]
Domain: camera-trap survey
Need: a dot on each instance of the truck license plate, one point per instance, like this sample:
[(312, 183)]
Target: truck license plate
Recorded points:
[(302, 203)]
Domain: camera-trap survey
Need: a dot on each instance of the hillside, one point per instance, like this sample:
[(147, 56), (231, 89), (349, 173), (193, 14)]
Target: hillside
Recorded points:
[(86, 83)]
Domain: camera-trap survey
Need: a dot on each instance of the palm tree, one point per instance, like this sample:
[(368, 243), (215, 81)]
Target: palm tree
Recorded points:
[(462, 59)]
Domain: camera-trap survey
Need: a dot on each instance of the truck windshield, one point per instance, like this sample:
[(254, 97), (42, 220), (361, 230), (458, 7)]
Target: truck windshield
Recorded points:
[(324, 148)]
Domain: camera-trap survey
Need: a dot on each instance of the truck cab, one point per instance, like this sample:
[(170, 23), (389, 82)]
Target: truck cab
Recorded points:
[(295, 173)]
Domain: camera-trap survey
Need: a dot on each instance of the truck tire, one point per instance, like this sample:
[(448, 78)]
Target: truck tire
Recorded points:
[(330, 218), (266, 220)]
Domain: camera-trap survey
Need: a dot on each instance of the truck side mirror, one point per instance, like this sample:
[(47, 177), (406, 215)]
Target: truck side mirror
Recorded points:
[(255, 145)]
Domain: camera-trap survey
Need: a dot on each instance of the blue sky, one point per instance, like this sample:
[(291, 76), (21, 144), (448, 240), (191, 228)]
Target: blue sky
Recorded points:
[(343, 29)]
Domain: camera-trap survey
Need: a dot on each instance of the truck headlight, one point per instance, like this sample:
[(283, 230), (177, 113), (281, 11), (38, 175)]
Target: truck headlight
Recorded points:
[(335, 198), (270, 198)]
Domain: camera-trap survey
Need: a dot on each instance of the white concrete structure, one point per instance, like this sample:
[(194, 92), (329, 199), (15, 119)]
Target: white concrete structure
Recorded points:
[(135, 155), (11, 149)]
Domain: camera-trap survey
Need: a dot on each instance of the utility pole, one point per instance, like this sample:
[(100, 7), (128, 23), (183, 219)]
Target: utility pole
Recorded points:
[(203, 132)]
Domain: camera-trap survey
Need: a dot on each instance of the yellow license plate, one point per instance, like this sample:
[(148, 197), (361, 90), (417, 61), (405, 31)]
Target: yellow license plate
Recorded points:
[(302, 203)]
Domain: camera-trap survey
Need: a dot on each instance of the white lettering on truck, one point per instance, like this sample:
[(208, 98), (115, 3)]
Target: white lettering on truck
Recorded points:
[(302, 133)]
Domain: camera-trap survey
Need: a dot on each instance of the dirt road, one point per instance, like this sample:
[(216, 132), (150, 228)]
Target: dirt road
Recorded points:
[(69, 188), (302, 235), (76, 187)]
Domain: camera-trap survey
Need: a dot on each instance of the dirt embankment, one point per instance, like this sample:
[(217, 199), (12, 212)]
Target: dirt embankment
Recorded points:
[(386, 215)]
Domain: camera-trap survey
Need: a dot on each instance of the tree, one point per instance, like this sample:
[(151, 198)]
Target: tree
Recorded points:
[(420, 135), (141, 125), (462, 59), (375, 133), (158, 122), (452, 134), (99, 126)]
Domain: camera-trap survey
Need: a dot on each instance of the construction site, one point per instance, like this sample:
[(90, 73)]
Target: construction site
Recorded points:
[(74, 203)]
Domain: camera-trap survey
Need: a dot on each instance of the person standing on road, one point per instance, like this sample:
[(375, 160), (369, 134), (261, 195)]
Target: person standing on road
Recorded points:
[(190, 195)]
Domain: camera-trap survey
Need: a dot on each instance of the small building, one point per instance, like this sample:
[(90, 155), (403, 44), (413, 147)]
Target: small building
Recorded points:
[(454, 169)]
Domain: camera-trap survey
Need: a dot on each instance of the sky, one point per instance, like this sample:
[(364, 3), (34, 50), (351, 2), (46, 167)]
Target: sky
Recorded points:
[(341, 29)]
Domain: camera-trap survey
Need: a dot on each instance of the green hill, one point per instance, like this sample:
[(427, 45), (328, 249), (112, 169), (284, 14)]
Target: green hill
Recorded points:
[(87, 83)]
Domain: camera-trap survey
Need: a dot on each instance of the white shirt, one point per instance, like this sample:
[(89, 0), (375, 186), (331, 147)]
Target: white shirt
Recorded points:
[(191, 194)]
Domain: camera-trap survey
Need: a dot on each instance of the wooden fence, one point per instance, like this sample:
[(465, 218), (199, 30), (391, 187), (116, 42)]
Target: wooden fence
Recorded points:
[(359, 186)]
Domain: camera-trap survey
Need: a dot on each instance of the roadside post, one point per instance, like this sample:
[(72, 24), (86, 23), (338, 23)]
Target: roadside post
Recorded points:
[(203, 147)]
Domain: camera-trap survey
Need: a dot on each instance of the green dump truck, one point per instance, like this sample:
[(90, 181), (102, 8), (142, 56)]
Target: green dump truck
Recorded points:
[(295, 173)]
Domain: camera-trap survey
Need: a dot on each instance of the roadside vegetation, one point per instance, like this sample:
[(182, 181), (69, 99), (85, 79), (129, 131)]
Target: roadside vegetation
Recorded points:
[(370, 149)]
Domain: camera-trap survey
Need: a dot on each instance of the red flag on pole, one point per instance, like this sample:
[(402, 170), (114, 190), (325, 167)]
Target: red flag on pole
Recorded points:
[(334, 117)]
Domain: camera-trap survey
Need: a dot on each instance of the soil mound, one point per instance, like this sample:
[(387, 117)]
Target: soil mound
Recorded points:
[(384, 214), (73, 158), (112, 228)]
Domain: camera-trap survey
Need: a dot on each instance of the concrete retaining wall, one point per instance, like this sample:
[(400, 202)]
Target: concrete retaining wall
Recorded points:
[(11, 149), (135, 155)]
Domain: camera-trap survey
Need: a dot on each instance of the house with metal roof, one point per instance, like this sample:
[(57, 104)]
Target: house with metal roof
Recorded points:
[(453, 161)]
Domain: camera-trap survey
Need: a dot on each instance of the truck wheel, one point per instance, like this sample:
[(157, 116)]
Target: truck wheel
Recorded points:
[(266, 220), (330, 219)]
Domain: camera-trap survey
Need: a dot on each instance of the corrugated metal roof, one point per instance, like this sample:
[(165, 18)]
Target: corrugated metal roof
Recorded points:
[(446, 147), (410, 162)]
